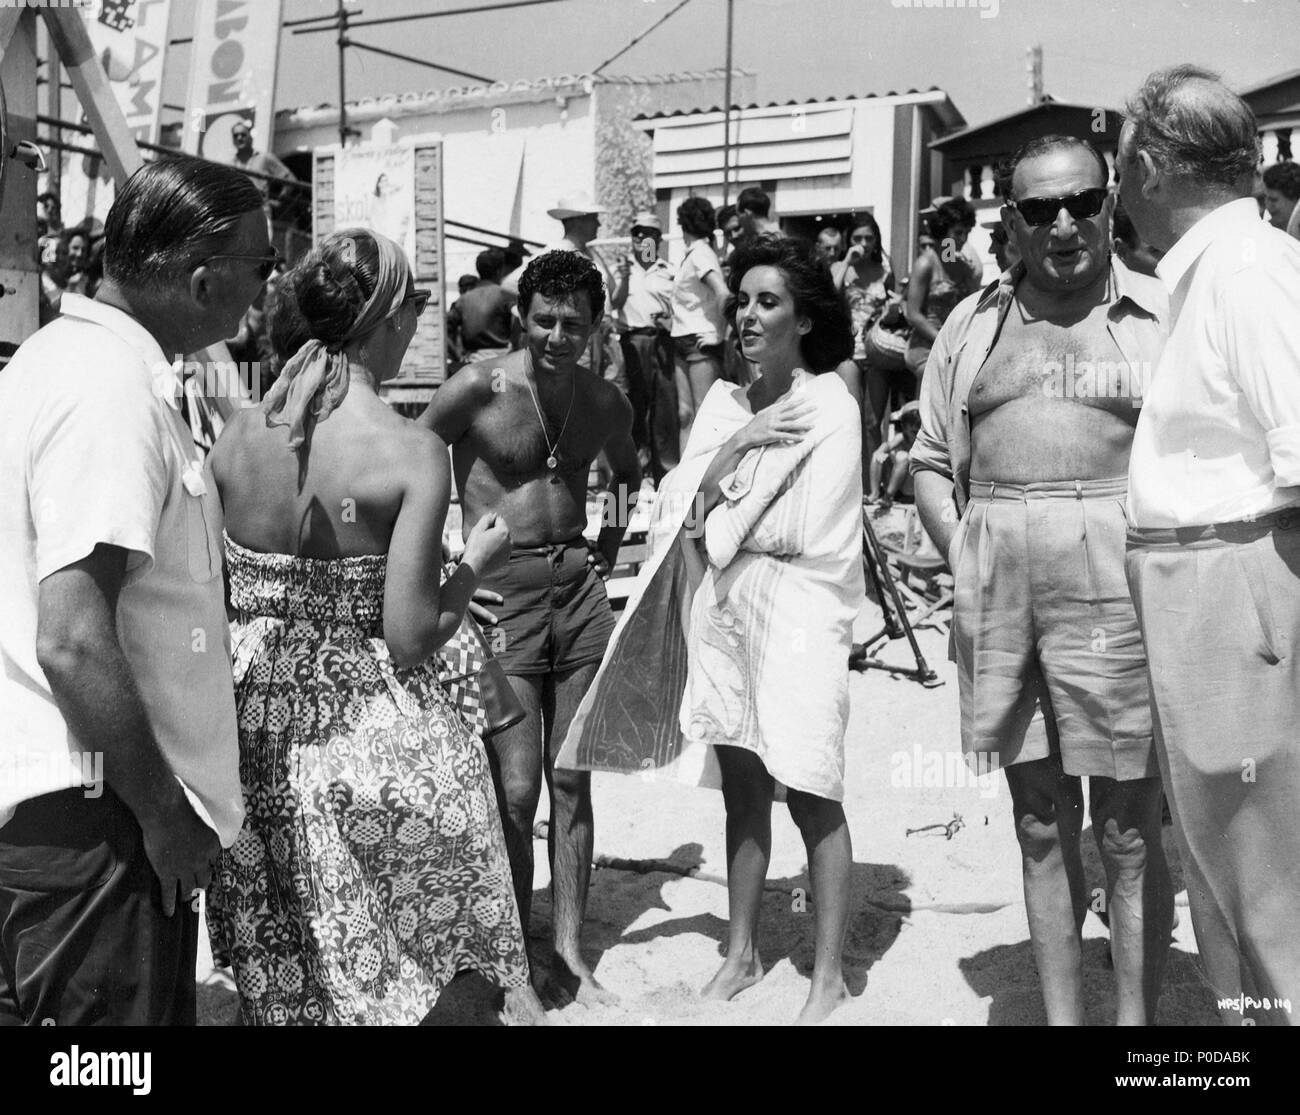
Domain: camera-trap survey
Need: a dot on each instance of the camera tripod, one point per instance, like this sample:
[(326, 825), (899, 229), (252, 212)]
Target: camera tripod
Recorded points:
[(897, 625)]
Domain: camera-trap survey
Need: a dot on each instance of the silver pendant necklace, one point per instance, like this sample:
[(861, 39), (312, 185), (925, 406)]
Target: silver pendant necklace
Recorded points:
[(552, 460)]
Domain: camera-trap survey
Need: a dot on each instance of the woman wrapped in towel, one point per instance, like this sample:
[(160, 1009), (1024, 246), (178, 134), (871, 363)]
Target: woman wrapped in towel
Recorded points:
[(729, 667)]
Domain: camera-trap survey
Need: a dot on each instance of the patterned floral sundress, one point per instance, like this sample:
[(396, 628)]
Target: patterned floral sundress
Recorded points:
[(371, 868)]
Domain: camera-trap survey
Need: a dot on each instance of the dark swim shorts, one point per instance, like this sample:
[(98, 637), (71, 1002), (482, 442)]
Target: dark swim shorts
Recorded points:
[(556, 616)]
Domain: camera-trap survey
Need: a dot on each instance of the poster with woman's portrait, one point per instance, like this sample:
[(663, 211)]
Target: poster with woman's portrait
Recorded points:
[(395, 190), (375, 188)]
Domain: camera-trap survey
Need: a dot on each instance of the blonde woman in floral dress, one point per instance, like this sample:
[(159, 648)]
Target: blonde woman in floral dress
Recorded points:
[(371, 868)]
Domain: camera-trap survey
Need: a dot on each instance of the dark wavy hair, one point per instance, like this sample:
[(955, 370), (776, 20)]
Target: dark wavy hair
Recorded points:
[(1045, 145), (489, 263), (1284, 178), (170, 215), (830, 340), (695, 215), (561, 275), (950, 215), (754, 200), (286, 331), (332, 285), (866, 220)]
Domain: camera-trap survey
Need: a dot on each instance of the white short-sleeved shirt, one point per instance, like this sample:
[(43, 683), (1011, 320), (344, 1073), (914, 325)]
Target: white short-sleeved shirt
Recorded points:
[(1218, 437), (649, 294), (93, 450), (695, 306)]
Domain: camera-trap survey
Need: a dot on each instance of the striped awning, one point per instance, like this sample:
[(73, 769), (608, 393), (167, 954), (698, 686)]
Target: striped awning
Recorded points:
[(798, 142)]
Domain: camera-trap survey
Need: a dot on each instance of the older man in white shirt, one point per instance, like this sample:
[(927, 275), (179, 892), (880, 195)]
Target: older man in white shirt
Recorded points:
[(1214, 543), (119, 755)]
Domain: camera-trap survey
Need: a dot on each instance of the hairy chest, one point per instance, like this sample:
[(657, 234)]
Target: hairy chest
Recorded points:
[(517, 442), (1039, 359)]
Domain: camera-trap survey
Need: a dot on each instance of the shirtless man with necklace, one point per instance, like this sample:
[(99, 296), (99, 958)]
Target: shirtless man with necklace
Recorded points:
[(524, 432)]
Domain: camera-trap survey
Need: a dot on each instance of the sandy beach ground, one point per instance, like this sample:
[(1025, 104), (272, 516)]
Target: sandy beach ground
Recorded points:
[(938, 933)]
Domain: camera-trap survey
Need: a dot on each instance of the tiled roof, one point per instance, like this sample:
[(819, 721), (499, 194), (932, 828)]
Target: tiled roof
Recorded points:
[(942, 104), (1001, 126), (793, 103), (458, 96), (1265, 86)]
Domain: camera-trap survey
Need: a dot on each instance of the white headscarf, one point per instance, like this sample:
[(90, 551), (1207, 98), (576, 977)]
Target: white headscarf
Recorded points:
[(315, 380)]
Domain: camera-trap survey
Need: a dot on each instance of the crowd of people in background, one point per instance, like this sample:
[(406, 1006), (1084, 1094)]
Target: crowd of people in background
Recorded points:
[(664, 341), (674, 340), (251, 641), (71, 259)]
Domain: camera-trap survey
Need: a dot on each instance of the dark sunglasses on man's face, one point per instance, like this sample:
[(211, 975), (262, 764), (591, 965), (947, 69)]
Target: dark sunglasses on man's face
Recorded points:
[(265, 264), (420, 296), (1044, 210)]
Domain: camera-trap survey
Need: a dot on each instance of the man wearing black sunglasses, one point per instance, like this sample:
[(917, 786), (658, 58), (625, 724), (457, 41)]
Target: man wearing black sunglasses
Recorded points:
[(112, 619), (1028, 407)]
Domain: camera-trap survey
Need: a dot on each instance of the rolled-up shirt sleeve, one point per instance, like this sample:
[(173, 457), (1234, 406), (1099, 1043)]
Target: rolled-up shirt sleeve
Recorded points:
[(930, 450), (1262, 333)]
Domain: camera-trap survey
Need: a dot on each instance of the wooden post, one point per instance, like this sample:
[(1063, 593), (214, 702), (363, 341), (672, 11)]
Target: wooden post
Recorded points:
[(54, 110), (71, 40), (19, 268), (20, 273), (343, 55), (726, 113)]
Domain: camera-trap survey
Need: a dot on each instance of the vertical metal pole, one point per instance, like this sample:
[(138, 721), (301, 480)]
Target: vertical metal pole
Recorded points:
[(726, 113), (1034, 67), (54, 106), (343, 47)]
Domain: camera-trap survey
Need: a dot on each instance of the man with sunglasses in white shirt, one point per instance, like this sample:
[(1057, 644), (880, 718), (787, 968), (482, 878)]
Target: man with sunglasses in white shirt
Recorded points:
[(119, 754), (1028, 407), (1214, 547)]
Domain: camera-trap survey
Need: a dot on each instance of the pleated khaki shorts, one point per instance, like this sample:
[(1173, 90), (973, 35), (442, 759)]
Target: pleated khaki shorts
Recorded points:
[(1049, 656)]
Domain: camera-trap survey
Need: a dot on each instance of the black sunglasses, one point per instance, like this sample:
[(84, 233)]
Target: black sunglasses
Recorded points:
[(265, 264), (1044, 210), (420, 296)]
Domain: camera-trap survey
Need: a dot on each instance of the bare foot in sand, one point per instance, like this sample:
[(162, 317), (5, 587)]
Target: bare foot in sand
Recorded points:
[(524, 1008), (572, 973), (549, 988), (733, 978), (822, 1001)]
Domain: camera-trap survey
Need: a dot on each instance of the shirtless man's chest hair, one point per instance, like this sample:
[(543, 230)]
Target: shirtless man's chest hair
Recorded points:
[(1028, 421), (500, 451)]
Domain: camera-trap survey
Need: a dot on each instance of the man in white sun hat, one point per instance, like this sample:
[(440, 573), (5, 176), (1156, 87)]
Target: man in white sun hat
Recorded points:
[(580, 217)]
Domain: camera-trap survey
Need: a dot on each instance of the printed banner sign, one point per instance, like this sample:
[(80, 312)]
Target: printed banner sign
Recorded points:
[(130, 40), (395, 189), (232, 75), (375, 189)]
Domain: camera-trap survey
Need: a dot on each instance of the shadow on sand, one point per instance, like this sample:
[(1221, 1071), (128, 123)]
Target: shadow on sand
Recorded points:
[(1008, 975), (620, 898)]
